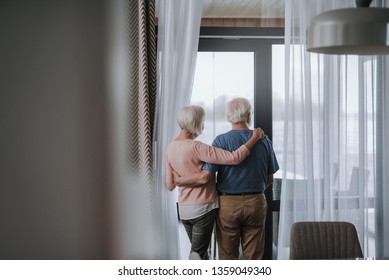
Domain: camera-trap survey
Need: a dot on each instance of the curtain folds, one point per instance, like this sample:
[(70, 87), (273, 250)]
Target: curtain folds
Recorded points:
[(132, 84), (334, 135), (142, 87), (178, 35)]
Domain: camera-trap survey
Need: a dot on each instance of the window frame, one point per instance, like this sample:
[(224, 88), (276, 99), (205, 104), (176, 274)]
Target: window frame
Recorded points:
[(260, 42), (256, 40)]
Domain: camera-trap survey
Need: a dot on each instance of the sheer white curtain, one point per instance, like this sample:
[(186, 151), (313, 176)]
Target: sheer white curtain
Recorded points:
[(334, 164), (178, 36)]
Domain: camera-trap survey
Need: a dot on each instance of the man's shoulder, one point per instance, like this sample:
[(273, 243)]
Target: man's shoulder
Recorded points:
[(221, 138), (233, 134), (267, 141), (227, 134)]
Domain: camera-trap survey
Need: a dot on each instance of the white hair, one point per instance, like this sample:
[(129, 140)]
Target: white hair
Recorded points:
[(191, 119), (238, 111)]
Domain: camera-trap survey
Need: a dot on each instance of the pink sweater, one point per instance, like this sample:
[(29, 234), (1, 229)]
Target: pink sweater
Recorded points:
[(187, 157)]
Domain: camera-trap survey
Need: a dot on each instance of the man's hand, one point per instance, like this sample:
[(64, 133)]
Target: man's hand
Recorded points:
[(193, 180), (176, 178)]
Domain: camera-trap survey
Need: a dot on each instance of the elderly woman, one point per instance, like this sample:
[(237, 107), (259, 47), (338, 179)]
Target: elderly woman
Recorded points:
[(184, 156)]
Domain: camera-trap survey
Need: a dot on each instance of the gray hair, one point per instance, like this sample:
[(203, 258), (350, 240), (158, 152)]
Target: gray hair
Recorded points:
[(239, 110), (191, 119)]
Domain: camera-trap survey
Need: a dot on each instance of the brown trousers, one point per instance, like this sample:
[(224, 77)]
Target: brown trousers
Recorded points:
[(241, 219)]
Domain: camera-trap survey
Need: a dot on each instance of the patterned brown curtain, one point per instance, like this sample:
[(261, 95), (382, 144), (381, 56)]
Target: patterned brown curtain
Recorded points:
[(131, 66), (142, 86)]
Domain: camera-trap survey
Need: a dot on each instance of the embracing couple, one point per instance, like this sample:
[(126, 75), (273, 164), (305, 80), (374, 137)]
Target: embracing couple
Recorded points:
[(224, 182)]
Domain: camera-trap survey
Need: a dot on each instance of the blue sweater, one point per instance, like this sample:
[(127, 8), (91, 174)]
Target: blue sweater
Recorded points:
[(251, 174)]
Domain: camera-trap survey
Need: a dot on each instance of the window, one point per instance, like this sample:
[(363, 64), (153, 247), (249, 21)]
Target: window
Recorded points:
[(221, 76), (237, 62)]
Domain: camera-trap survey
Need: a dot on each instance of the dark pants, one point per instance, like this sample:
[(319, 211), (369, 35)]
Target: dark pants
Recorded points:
[(199, 231)]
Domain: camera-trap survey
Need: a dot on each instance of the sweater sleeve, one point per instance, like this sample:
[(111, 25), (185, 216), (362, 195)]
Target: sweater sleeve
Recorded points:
[(215, 155), (169, 182)]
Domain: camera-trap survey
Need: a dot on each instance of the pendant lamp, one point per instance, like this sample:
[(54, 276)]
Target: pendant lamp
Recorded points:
[(362, 30)]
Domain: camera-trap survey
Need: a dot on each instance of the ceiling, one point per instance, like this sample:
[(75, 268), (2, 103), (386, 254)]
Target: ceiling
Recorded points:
[(242, 13), (243, 8)]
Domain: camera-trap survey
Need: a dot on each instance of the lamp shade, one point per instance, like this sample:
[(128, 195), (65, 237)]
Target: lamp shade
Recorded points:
[(361, 30)]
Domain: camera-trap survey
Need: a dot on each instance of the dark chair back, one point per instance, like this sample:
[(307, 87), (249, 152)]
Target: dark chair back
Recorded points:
[(324, 240)]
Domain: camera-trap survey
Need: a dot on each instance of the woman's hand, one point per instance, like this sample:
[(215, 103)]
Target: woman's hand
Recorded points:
[(258, 133)]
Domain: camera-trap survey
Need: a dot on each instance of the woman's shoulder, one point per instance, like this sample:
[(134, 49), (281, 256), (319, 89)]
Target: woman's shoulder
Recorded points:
[(196, 143), (181, 143)]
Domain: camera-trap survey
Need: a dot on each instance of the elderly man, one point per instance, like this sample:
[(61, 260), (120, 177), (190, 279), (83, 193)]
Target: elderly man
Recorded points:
[(242, 203)]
